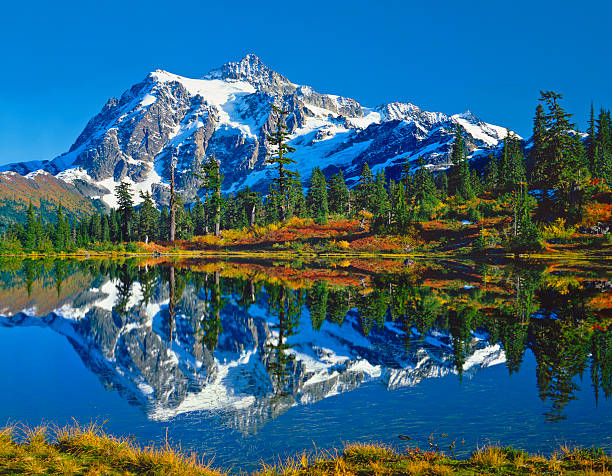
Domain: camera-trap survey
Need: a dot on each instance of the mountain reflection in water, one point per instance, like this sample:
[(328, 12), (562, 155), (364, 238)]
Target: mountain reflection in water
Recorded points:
[(248, 341)]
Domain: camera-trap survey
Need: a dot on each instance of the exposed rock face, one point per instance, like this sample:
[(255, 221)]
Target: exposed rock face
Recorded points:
[(228, 113)]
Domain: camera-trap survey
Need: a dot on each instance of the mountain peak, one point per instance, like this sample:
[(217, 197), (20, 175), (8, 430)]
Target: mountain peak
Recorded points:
[(251, 69)]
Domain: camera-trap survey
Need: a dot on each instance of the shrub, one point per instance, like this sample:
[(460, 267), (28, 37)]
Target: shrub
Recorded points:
[(473, 214), (558, 231)]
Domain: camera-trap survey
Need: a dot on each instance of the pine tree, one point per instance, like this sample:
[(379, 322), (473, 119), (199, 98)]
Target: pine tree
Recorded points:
[(459, 173), (163, 227), (511, 166), (602, 166), (441, 182), (424, 192), (62, 239), (364, 191), (560, 166), (590, 144), (199, 218), (537, 156), (296, 198), (278, 157), (380, 198), (125, 209), (212, 180), (147, 218), (524, 235), (106, 235), (95, 227), (492, 176), (250, 202), (338, 194), (401, 215), (316, 199), (30, 230), (272, 205)]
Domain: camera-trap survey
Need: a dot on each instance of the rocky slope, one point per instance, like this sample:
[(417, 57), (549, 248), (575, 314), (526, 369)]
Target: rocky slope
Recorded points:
[(227, 113)]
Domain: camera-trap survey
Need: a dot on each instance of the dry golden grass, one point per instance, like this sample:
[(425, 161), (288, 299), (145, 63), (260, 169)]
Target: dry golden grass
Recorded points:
[(88, 450)]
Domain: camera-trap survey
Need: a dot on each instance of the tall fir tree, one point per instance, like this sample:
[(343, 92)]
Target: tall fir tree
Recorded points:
[(212, 180), (148, 218), (316, 199), (459, 174), (125, 209), (279, 157), (380, 197), (338, 194), (602, 160), (364, 191), (424, 192)]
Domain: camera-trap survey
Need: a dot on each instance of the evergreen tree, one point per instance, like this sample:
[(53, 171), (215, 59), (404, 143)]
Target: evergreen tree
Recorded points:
[(441, 182), (279, 158), (459, 173), (272, 205), (296, 199), (30, 230), (380, 198), (511, 167), (147, 218), (537, 156), (590, 143), (316, 199), (63, 238), (559, 168), (163, 227), (212, 179), (250, 203), (184, 225), (602, 160), (95, 227), (364, 191), (401, 215), (125, 209), (424, 192), (492, 176), (524, 234), (338, 194), (106, 237), (199, 218)]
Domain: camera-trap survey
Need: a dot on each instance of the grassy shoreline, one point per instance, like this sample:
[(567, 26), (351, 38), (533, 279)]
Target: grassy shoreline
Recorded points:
[(88, 450)]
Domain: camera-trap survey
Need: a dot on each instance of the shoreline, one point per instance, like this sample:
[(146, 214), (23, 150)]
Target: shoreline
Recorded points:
[(89, 450)]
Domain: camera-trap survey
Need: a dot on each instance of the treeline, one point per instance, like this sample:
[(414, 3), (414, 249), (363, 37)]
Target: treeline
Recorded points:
[(555, 179)]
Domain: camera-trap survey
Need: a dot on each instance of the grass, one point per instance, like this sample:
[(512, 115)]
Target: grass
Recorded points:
[(88, 450)]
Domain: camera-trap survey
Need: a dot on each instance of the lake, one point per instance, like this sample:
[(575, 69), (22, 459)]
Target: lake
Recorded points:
[(252, 360)]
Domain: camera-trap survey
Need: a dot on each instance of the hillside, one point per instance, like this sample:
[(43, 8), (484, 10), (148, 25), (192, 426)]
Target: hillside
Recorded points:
[(45, 192)]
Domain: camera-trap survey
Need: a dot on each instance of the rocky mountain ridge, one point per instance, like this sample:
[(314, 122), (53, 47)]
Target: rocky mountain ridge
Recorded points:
[(228, 113)]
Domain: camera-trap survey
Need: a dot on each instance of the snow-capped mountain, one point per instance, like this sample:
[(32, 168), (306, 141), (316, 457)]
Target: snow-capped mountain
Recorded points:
[(162, 364), (228, 113)]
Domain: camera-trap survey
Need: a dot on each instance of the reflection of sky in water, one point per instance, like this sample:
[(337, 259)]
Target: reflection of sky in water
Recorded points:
[(341, 385)]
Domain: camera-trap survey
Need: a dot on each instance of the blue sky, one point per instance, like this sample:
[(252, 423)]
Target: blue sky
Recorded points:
[(61, 61)]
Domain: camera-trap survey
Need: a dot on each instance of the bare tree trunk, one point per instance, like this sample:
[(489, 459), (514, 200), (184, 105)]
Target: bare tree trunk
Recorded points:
[(218, 214), (172, 204)]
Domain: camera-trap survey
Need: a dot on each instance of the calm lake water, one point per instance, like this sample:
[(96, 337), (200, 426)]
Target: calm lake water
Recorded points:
[(251, 361)]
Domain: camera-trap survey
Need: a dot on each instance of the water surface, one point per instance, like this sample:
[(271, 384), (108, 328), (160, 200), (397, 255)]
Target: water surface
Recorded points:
[(250, 361)]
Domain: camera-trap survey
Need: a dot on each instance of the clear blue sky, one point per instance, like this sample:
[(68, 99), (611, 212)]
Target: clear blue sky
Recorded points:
[(61, 61)]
